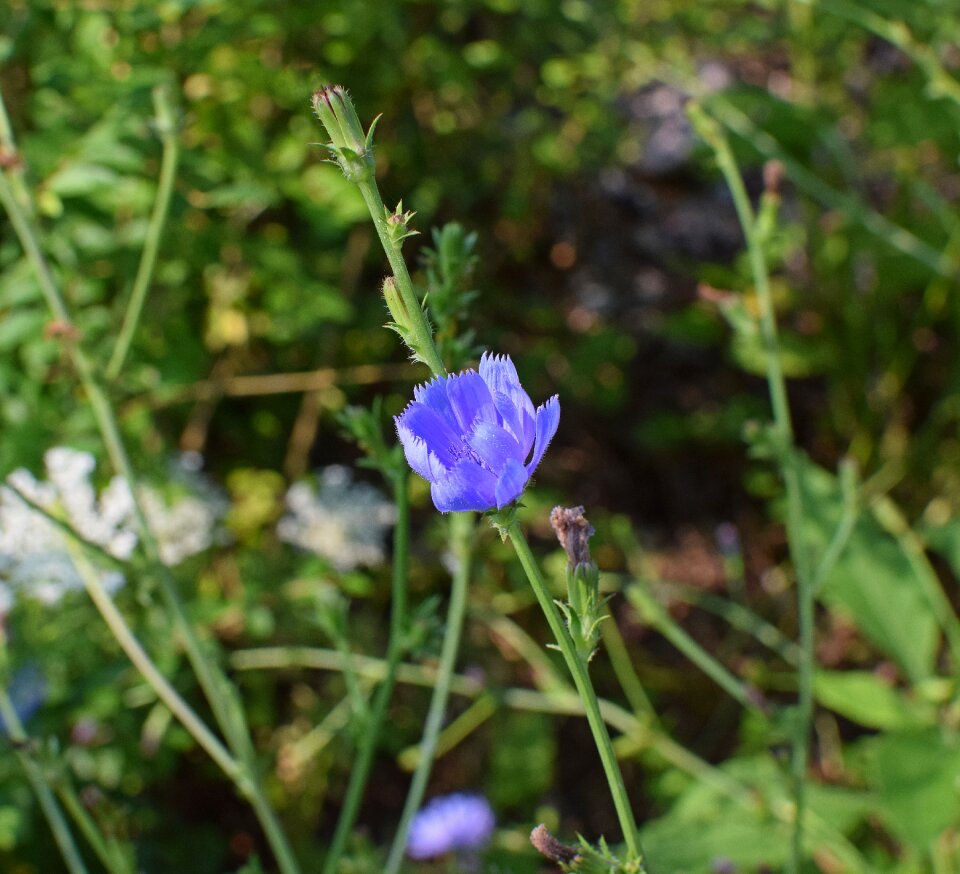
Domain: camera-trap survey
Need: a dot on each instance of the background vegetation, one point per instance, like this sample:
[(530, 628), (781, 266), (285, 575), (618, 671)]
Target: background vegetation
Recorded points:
[(610, 266)]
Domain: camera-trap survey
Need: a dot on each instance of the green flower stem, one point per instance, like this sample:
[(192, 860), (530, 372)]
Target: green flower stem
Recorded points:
[(786, 456), (41, 788), (461, 542), (651, 611), (423, 336), (581, 679), (360, 771), (216, 687), (625, 673), (167, 128)]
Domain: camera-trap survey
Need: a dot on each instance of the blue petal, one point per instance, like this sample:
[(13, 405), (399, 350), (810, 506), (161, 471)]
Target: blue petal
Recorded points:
[(467, 487), (548, 418), (433, 394), (495, 446), (501, 377), (498, 372), (511, 483), (509, 415), (421, 424), (470, 399), (419, 457)]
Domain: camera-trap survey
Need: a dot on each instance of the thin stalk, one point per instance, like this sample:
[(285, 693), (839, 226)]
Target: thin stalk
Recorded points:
[(654, 613), (423, 336), (738, 617), (166, 127), (108, 850), (625, 673), (584, 686), (360, 771), (134, 651), (456, 732), (887, 232), (461, 537), (787, 459), (41, 788), (217, 689)]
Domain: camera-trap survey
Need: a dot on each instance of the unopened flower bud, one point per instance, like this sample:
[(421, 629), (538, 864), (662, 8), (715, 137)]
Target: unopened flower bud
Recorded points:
[(398, 223), (350, 147), (395, 303)]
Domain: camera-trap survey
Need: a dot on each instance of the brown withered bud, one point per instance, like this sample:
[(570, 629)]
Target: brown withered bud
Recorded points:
[(772, 177), (574, 532), (547, 845)]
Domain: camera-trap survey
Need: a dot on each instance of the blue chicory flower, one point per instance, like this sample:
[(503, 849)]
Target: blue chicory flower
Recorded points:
[(461, 821), (476, 437)]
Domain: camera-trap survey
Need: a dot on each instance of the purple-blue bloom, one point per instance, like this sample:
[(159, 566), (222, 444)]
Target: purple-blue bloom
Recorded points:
[(476, 437), (460, 821)]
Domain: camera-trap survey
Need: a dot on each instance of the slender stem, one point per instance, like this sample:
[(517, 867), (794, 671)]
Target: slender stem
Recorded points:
[(423, 336), (456, 732), (461, 537), (789, 466), (360, 771), (144, 664), (217, 689), (625, 673), (581, 679), (166, 127), (654, 613), (41, 788), (108, 850)]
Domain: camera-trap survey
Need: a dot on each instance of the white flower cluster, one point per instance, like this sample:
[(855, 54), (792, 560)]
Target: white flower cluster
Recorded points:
[(343, 521), (34, 555)]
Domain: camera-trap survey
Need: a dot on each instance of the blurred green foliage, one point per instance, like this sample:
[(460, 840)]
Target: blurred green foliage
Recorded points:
[(527, 123)]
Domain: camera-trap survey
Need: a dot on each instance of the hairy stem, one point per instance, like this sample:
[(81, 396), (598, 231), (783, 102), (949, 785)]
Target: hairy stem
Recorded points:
[(584, 686)]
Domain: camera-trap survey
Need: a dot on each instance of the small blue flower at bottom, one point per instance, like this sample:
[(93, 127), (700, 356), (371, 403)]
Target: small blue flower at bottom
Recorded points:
[(461, 821), (476, 437)]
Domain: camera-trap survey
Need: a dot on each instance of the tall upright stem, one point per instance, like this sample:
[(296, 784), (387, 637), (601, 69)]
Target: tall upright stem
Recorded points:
[(787, 459), (461, 540), (581, 679), (360, 771), (217, 689)]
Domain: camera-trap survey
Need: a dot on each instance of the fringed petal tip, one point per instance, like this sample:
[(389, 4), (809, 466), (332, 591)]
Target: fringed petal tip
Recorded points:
[(548, 419)]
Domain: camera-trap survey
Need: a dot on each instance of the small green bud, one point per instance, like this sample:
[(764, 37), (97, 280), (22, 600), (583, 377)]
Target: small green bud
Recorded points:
[(398, 223), (402, 322), (349, 146)]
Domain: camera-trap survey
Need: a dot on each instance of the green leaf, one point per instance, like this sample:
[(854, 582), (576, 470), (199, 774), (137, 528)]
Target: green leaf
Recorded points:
[(917, 773), (868, 700), (78, 179), (873, 582)]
